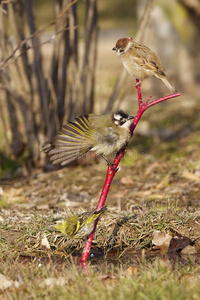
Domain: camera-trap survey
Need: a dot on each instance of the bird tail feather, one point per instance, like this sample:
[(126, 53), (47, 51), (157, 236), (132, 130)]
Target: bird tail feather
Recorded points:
[(168, 84)]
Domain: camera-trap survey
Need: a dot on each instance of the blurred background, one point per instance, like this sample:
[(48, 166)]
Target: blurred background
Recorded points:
[(56, 63)]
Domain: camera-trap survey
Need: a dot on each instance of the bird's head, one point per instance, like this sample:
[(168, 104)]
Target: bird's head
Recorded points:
[(122, 45), (120, 118)]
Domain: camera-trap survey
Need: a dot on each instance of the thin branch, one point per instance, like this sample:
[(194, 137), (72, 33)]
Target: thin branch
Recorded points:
[(36, 33), (50, 40)]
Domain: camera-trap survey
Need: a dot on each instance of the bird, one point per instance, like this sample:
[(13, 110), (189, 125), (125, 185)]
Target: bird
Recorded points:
[(104, 134), (79, 226), (140, 61)]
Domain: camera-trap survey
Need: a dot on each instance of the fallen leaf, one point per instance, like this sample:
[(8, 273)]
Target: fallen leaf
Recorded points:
[(191, 176), (178, 243), (127, 181), (145, 193), (1, 219), (156, 164), (189, 250), (1, 192), (159, 238), (42, 206), (157, 196), (163, 183), (121, 194), (108, 280), (132, 271), (164, 261), (188, 277), (106, 276), (45, 243), (52, 282), (6, 283), (73, 204)]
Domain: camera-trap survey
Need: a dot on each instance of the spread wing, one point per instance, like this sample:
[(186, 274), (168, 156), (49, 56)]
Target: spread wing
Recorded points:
[(73, 140)]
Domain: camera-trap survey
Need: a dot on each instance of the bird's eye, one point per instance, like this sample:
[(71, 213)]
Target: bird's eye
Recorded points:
[(121, 50)]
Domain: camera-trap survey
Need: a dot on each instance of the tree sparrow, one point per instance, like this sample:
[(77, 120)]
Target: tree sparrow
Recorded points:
[(140, 61)]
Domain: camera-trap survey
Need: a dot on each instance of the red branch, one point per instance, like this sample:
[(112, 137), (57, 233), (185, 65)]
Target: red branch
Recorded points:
[(111, 173)]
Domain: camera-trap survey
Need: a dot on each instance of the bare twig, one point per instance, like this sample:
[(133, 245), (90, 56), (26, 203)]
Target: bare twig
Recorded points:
[(45, 86), (35, 34), (11, 58)]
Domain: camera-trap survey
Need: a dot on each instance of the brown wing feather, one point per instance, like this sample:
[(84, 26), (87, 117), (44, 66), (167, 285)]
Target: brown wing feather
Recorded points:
[(147, 58)]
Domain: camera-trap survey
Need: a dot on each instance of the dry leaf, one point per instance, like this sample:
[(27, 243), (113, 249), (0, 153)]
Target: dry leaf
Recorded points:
[(108, 280), (188, 277), (156, 164), (189, 250), (1, 219), (45, 243), (164, 261), (6, 283), (157, 196), (52, 282), (106, 276), (127, 181), (163, 183), (191, 176), (121, 194), (132, 271), (1, 191), (178, 243), (42, 206), (161, 239)]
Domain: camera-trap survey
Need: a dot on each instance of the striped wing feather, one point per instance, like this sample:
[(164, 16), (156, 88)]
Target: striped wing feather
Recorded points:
[(73, 140), (147, 58)]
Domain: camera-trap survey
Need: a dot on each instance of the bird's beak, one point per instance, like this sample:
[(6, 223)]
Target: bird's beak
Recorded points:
[(114, 49), (130, 117)]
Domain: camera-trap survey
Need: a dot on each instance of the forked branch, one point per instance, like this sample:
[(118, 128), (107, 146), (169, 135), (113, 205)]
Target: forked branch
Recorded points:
[(143, 106)]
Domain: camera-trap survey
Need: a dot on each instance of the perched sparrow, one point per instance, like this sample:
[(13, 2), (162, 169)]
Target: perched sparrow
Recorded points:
[(79, 227), (104, 134), (140, 61)]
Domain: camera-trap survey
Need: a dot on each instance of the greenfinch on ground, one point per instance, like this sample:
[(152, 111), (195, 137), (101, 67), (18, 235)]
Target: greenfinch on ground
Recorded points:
[(79, 226)]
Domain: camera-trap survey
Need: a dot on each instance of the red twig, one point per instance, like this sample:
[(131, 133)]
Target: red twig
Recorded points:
[(111, 173)]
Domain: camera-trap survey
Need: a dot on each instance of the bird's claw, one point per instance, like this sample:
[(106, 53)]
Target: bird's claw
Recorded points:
[(137, 83), (112, 166)]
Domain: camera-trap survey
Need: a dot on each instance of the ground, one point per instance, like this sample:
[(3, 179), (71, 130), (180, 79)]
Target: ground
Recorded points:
[(156, 191)]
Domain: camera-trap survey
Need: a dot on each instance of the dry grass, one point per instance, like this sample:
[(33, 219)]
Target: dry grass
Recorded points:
[(36, 272)]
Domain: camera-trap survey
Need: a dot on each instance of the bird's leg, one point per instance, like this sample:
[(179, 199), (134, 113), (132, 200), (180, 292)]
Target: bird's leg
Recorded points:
[(138, 82), (109, 163), (138, 85)]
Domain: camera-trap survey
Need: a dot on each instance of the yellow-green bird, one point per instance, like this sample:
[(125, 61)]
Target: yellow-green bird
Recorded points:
[(104, 134), (79, 226)]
